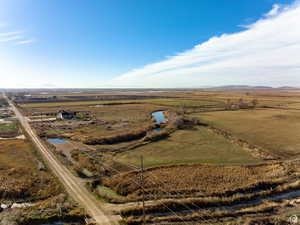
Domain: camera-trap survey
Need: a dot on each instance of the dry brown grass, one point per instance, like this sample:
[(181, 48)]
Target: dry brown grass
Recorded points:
[(198, 180), (20, 178), (278, 131), (249, 216)]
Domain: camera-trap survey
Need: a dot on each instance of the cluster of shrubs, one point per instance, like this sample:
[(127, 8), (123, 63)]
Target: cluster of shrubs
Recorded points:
[(88, 164), (130, 136)]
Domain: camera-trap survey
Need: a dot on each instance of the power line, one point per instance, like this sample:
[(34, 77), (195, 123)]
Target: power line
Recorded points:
[(141, 185), (166, 192), (172, 211), (156, 178)]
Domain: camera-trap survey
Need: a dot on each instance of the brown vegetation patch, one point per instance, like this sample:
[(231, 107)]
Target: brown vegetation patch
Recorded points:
[(122, 137), (20, 177), (9, 129), (250, 216), (197, 180), (276, 131)]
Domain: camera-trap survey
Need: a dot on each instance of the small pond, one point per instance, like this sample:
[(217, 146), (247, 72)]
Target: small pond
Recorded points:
[(159, 116), (56, 140)]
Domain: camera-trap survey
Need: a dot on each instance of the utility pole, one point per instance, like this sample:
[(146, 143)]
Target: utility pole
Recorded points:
[(142, 186)]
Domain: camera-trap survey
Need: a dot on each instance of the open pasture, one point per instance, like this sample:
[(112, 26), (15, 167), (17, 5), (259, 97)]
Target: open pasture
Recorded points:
[(276, 130), (196, 145), (269, 98)]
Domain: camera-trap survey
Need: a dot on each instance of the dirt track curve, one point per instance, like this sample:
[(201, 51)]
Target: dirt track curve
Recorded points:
[(75, 189)]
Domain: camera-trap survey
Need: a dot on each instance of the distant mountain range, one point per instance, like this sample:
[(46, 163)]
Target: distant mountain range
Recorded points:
[(232, 87)]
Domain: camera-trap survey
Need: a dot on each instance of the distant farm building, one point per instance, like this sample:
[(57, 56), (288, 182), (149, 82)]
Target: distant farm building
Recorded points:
[(238, 105), (65, 115), (232, 106)]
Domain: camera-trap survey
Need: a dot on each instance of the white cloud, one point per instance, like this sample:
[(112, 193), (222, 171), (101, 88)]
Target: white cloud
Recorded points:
[(274, 11), (10, 38), (8, 34), (267, 53), (24, 42), (16, 37)]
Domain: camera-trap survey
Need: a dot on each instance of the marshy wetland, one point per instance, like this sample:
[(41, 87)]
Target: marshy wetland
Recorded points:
[(209, 156)]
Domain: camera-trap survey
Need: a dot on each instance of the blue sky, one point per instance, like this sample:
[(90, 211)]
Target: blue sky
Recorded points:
[(113, 43)]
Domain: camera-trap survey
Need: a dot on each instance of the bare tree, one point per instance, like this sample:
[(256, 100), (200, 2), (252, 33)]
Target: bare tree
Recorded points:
[(254, 102)]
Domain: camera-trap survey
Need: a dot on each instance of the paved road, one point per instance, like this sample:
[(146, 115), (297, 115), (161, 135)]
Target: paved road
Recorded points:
[(71, 183)]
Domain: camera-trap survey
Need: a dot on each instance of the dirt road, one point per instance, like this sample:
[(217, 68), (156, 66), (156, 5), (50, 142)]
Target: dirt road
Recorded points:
[(75, 189)]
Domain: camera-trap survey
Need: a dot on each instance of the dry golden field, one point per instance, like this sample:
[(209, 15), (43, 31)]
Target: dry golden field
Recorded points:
[(22, 176), (276, 130), (198, 180)]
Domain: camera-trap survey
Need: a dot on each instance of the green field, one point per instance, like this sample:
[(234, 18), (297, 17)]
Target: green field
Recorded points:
[(8, 129), (183, 102), (197, 145), (107, 193), (275, 130)]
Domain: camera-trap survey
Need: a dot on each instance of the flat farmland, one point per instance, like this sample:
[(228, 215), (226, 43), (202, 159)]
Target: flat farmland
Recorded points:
[(104, 122), (173, 102), (293, 105), (197, 145), (269, 98), (9, 129), (203, 155), (276, 130), (75, 103), (118, 120), (20, 176)]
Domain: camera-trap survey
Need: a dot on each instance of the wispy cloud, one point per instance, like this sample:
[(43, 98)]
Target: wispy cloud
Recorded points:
[(16, 37), (8, 34), (274, 11), (10, 38), (24, 42), (267, 52)]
